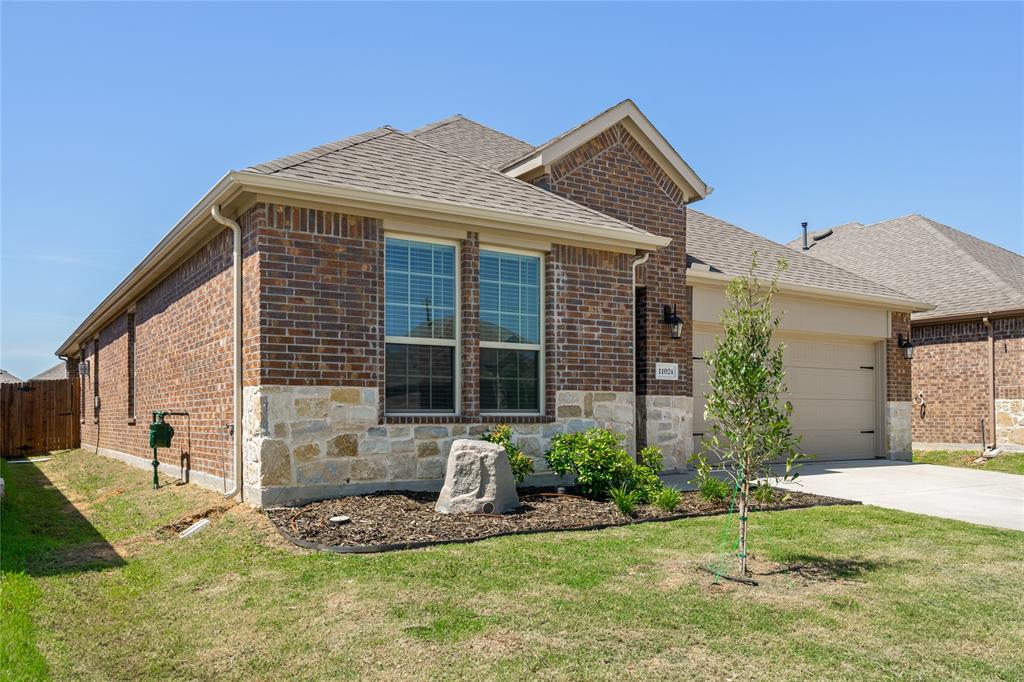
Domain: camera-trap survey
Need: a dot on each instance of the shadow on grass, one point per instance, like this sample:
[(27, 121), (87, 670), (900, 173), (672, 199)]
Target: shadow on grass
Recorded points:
[(42, 533), (819, 568)]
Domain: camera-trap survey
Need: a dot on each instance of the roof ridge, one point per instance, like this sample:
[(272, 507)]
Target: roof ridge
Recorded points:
[(436, 124), (454, 118), (804, 255), (381, 132), (522, 183), (997, 281)]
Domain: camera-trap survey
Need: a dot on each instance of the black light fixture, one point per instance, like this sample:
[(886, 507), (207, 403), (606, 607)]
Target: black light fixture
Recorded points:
[(906, 346), (673, 319)]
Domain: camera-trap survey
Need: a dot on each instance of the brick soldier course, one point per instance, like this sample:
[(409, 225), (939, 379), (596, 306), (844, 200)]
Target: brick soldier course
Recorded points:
[(314, 225)]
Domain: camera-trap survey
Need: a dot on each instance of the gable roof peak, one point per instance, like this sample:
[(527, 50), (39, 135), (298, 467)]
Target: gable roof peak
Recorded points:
[(638, 126)]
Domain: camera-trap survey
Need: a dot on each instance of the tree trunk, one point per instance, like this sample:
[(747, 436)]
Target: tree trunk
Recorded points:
[(744, 493)]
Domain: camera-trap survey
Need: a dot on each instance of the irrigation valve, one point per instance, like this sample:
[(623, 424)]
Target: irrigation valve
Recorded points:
[(160, 435)]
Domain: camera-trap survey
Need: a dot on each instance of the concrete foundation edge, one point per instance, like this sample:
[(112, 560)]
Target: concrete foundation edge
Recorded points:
[(202, 479)]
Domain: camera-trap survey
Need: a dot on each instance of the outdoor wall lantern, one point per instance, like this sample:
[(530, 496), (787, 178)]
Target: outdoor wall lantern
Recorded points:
[(906, 346), (673, 319)]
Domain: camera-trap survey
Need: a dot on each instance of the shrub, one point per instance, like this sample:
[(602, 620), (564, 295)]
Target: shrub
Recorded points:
[(522, 466), (713, 489), (600, 463), (595, 456), (764, 494), (626, 499), (644, 475), (667, 499)]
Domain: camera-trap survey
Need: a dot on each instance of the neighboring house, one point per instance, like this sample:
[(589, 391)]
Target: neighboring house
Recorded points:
[(58, 371), (8, 378), (969, 350), (397, 291)]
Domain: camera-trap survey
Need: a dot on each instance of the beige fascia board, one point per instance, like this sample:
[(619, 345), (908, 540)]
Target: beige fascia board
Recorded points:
[(963, 317), (653, 142), (718, 279), (180, 239)]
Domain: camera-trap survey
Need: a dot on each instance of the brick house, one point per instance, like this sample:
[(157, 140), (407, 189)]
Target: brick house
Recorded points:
[(334, 319), (968, 362)]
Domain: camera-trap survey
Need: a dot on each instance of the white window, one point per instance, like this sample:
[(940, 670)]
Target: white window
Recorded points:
[(511, 332), (420, 327)]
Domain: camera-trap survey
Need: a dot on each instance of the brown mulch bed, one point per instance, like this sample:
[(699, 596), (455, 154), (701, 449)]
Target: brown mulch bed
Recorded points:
[(398, 520)]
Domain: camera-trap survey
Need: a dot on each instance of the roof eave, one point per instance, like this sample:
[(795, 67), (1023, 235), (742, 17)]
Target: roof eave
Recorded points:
[(178, 240), (973, 315), (901, 304), (397, 203)]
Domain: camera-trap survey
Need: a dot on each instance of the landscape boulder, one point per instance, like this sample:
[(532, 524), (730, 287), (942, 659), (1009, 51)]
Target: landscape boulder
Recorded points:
[(478, 480)]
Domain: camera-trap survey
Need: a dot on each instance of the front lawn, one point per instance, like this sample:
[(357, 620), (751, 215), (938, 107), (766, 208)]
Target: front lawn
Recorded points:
[(1007, 462), (93, 589)]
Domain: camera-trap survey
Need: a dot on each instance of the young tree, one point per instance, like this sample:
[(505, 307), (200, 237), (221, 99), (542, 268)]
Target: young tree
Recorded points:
[(749, 422)]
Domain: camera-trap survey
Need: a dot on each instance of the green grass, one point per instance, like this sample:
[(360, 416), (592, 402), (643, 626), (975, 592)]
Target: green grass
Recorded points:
[(97, 594), (1007, 462)]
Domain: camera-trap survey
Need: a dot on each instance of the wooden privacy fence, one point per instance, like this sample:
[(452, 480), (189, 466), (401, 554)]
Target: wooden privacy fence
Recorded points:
[(39, 416)]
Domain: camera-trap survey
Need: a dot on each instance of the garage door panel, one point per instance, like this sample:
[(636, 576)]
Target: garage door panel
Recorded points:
[(811, 414), (805, 353), (829, 383), (837, 445), (832, 387)]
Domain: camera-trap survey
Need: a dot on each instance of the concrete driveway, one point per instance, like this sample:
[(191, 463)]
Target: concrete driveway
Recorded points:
[(988, 498)]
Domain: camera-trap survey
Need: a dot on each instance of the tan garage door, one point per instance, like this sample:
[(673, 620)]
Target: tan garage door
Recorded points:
[(832, 388)]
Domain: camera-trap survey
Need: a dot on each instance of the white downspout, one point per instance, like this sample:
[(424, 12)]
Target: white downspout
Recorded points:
[(236, 342), (991, 379), (637, 262)]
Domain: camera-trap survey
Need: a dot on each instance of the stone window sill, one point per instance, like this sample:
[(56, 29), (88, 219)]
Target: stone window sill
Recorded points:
[(465, 419)]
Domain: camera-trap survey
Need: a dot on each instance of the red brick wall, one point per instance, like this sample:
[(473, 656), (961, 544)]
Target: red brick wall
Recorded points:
[(313, 312), (612, 174), (897, 368), (321, 297), (1009, 357), (951, 369), (322, 308), (182, 361), (469, 277), (590, 323)]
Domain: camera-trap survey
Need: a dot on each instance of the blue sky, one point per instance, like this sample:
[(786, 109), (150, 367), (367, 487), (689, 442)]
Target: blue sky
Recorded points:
[(117, 117)]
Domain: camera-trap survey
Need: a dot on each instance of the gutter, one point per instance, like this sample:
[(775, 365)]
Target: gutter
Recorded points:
[(236, 343), (702, 276), (178, 242)]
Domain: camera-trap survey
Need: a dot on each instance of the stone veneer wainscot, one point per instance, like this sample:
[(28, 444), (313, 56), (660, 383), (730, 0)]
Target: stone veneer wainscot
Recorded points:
[(309, 442)]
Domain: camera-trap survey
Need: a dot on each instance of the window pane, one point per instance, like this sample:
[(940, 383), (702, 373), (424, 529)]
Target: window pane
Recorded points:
[(419, 378), (509, 380), (509, 297), (419, 289), (396, 320)]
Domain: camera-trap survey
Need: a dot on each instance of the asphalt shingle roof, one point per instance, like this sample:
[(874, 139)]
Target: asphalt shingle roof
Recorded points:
[(58, 371), (8, 378), (389, 161), (473, 141), (728, 249), (929, 261)]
